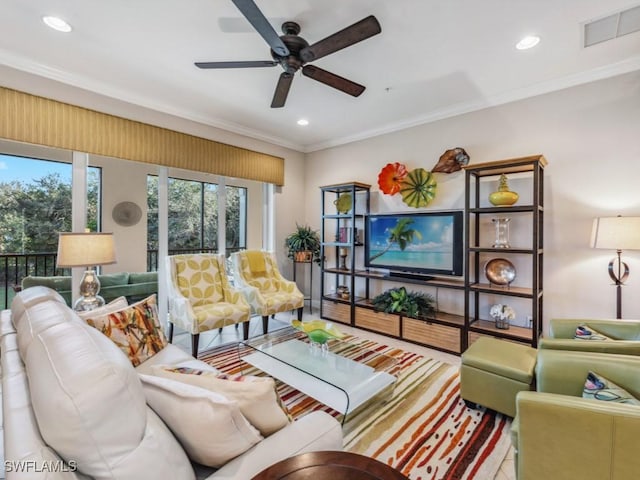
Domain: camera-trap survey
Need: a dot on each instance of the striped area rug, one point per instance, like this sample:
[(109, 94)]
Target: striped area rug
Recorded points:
[(424, 429)]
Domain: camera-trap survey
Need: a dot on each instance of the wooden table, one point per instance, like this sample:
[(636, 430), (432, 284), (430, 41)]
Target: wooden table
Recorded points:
[(333, 465)]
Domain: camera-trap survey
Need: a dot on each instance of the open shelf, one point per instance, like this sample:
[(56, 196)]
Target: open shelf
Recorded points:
[(489, 327)]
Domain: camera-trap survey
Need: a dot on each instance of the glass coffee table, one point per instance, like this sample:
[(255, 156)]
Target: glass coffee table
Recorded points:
[(342, 375)]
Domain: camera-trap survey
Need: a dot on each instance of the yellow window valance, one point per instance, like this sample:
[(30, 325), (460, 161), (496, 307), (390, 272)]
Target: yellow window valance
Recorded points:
[(42, 121)]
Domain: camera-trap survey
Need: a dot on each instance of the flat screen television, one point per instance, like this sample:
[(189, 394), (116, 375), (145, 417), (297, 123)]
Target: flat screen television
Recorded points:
[(424, 243)]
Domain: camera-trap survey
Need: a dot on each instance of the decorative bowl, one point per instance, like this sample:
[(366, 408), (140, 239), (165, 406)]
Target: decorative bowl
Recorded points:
[(500, 271), (318, 331)]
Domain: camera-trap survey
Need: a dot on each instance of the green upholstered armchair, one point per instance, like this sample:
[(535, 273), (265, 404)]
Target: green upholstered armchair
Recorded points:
[(561, 436), (626, 334)]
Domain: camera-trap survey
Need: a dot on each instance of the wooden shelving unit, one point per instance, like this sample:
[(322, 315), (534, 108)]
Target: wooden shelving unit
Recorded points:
[(479, 293)]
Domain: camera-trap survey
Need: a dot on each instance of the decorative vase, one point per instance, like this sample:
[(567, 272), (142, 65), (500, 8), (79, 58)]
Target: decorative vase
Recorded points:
[(502, 232), (503, 197), (501, 315), (501, 323)]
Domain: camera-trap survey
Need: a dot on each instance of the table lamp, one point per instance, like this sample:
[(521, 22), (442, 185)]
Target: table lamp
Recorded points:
[(86, 250), (617, 233)]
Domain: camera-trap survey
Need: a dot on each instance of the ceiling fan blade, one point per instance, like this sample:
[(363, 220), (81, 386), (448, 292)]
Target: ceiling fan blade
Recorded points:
[(255, 17), (247, 64), (333, 80), (282, 90), (365, 28)]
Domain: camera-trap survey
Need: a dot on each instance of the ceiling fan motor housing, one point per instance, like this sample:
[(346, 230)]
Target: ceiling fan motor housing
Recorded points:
[(292, 62)]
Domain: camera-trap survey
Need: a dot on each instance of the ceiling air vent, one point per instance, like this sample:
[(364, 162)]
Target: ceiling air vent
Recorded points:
[(612, 26)]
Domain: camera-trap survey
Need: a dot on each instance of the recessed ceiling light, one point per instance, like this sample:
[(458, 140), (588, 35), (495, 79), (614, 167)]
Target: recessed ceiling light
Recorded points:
[(57, 24), (529, 41), (303, 122)]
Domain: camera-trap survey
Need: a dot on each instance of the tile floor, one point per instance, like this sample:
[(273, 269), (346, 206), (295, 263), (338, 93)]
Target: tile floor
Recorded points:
[(231, 334)]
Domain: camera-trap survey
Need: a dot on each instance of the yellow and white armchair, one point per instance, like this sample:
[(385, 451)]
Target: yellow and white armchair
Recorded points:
[(201, 298), (257, 276)]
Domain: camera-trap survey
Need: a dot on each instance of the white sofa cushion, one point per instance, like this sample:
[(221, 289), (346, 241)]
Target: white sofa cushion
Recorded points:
[(91, 408), (113, 306), (172, 355), (39, 317), (31, 296), (211, 428), (257, 397)]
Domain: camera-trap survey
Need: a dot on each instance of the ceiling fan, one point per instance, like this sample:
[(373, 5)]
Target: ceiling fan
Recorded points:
[(292, 52)]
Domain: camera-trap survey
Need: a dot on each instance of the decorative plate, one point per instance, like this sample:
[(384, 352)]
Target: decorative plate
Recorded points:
[(500, 271), (343, 203), (418, 188), (126, 214)]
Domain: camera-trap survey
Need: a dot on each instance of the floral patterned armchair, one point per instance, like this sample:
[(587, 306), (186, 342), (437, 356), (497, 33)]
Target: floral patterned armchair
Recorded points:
[(256, 274), (201, 298)]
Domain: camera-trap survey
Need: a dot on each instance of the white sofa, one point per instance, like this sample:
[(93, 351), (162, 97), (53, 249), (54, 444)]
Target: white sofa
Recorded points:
[(71, 397)]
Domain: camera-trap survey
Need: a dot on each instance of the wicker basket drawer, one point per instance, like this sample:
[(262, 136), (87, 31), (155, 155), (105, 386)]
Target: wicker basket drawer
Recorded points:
[(440, 336), (336, 311), (378, 321)]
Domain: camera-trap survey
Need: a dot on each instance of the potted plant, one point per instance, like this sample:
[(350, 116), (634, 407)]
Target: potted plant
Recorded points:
[(303, 245), (402, 302)]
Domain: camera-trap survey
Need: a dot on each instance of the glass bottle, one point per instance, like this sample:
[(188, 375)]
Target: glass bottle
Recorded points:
[(502, 232)]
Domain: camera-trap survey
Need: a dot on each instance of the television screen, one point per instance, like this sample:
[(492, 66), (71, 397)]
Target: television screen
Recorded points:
[(424, 243)]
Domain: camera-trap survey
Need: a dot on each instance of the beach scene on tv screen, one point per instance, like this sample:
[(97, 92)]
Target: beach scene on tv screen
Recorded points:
[(411, 242)]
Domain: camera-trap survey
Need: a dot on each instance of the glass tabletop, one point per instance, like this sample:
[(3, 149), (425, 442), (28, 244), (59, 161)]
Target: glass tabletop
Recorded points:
[(350, 366)]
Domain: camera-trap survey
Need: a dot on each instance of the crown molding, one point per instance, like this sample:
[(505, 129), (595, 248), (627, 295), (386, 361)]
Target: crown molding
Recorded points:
[(600, 73), (94, 86)]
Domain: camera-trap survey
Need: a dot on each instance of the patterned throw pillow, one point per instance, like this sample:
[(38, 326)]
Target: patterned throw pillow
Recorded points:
[(596, 387), (585, 332), (257, 397), (135, 329)]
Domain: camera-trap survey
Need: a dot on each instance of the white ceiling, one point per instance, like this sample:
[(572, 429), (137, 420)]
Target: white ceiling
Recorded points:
[(433, 59)]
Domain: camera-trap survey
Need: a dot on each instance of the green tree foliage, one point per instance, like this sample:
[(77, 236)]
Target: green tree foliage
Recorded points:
[(188, 228), (32, 214)]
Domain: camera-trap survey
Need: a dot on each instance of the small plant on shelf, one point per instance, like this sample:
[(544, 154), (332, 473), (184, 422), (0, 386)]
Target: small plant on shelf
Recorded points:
[(303, 245), (410, 304)]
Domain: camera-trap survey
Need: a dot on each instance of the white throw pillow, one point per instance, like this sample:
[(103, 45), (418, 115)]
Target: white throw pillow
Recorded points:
[(257, 396), (91, 407), (111, 307), (211, 428)]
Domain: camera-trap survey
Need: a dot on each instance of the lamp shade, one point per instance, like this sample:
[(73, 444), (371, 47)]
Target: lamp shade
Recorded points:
[(616, 233), (85, 249)]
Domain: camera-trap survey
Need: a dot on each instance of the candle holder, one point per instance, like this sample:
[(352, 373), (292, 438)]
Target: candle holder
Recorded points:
[(502, 232), (343, 259)]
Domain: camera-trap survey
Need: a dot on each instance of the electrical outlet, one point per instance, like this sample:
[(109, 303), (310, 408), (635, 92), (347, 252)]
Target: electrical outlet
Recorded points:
[(529, 321)]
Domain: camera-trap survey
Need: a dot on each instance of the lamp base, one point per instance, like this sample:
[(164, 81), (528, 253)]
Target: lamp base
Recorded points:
[(85, 304), (89, 288)]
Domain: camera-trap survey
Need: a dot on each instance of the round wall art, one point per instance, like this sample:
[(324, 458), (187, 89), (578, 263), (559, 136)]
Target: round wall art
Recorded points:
[(126, 214)]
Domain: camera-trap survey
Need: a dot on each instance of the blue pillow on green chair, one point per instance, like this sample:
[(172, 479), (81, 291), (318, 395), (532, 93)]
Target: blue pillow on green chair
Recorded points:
[(596, 387)]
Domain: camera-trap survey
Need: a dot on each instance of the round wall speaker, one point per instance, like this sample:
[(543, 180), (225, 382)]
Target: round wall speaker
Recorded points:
[(126, 214)]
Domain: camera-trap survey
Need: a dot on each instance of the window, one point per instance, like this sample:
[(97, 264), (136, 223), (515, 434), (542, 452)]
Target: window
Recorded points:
[(193, 217), (35, 203)]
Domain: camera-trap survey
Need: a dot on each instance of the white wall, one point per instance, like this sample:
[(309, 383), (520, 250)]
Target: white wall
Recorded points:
[(590, 135)]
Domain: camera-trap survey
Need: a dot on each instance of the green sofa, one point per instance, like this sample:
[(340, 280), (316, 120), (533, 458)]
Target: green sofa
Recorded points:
[(134, 286), (626, 335), (559, 435)]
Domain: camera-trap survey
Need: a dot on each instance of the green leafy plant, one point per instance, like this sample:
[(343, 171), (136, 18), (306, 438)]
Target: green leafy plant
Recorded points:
[(410, 304), (304, 239)]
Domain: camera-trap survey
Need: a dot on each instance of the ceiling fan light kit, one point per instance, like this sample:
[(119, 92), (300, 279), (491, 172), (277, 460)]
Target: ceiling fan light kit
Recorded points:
[(293, 52)]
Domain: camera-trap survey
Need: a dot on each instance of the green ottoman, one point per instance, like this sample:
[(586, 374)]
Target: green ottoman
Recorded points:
[(493, 371)]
